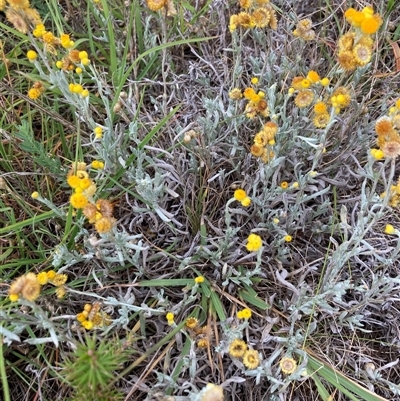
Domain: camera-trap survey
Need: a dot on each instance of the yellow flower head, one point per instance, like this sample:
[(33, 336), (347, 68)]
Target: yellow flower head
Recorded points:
[(81, 317), (362, 54), (87, 324), (246, 201), (254, 242), (34, 93), (284, 185), (65, 41), (33, 16), (39, 31), (371, 25), (313, 76), (97, 164), (287, 238), (60, 292), (261, 17), (288, 365), (78, 201), (170, 318), (203, 343), (320, 108), (325, 81), (59, 279), (42, 278), (35, 195), (251, 359), (239, 194), (31, 55), (244, 314), (156, 5), (199, 279), (237, 348), (321, 120), (254, 80), (377, 154)]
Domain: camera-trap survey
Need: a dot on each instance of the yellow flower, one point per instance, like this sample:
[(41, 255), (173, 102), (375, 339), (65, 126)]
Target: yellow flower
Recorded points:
[(254, 242), (34, 93), (39, 31), (78, 201), (321, 120), (199, 279), (87, 324), (14, 297), (239, 194), (98, 131), (85, 61), (313, 76), (191, 322), (254, 80), (170, 318), (284, 184), (156, 5), (31, 55), (287, 238), (362, 54), (377, 154), (59, 279), (246, 201), (389, 229), (81, 317), (371, 25), (42, 278), (51, 274), (244, 314), (305, 83), (35, 195), (73, 181), (97, 164), (295, 185), (288, 365), (320, 108), (251, 359), (237, 348), (65, 41), (325, 81)]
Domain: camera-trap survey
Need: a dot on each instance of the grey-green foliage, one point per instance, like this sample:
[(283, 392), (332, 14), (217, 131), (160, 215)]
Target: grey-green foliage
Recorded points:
[(39, 154)]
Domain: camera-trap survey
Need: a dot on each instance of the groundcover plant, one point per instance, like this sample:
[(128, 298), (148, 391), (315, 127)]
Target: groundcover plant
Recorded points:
[(199, 200)]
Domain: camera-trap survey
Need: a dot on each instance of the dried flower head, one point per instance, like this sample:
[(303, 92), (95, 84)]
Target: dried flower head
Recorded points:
[(191, 322), (321, 120), (288, 365), (383, 126), (391, 149), (27, 286), (304, 98), (17, 20), (362, 54), (212, 392), (261, 17)]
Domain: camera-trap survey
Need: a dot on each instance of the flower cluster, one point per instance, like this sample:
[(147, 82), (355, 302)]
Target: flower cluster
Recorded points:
[(257, 14), (20, 14), (256, 103), (307, 92), (254, 243), (244, 314), (241, 196), (387, 129), (202, 334), (28, 286), (100, 212), (92, 317), (304, 30), (263, 142), (355, 47), (239, 349)]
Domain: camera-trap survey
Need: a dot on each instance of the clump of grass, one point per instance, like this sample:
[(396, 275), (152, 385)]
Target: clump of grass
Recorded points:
[(198, 200)]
